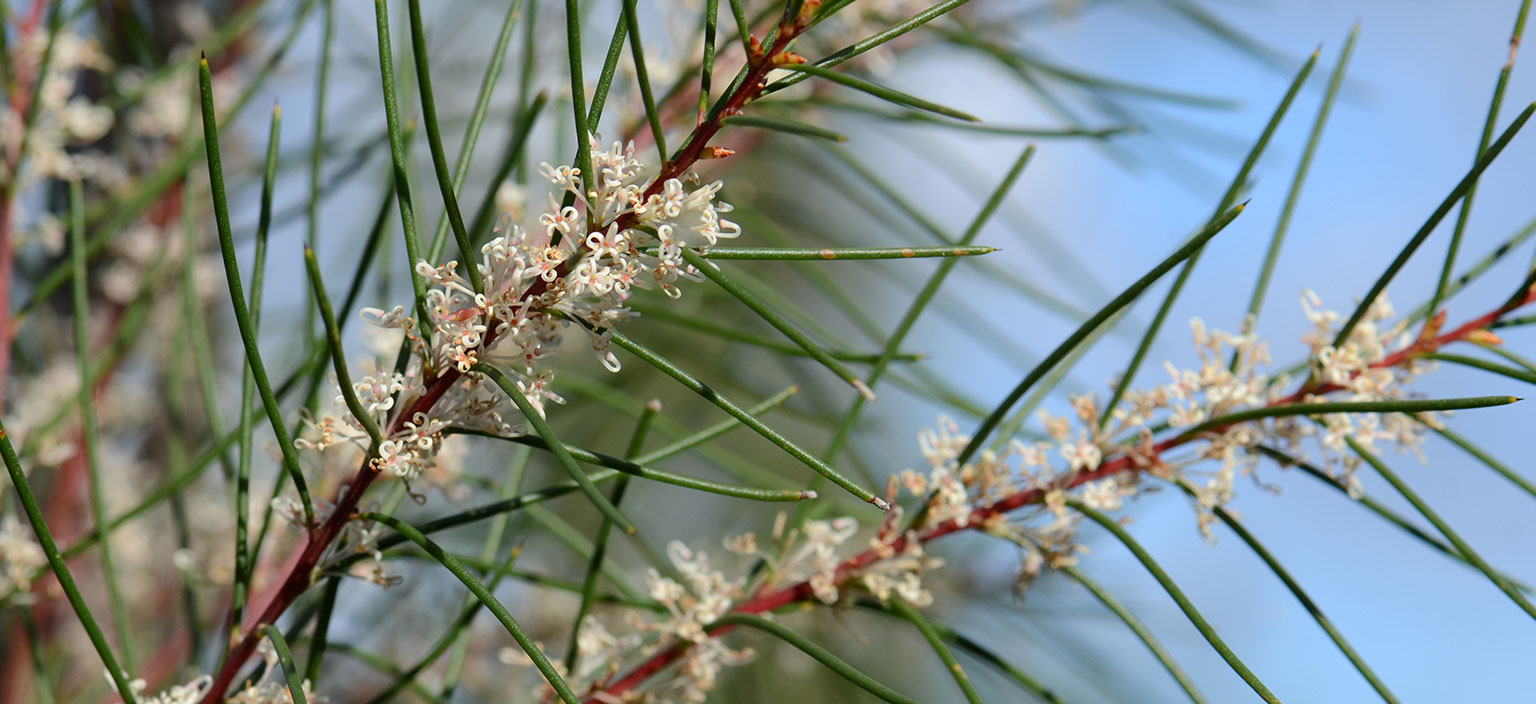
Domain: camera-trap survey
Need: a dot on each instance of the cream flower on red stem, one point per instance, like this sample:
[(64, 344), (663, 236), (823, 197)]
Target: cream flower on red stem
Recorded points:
[(534, 286)]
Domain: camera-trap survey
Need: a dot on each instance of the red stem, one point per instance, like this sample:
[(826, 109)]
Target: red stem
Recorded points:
[(300, 577), (769, 600)]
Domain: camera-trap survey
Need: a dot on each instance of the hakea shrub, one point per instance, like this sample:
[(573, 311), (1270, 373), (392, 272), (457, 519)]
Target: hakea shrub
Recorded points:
[(101, 189)]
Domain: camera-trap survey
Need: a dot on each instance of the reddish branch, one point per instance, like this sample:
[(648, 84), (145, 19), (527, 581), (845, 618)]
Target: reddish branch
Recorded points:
[(767, 600), (320, 537)]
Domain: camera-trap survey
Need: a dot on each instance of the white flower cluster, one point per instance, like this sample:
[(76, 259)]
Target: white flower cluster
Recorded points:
[(357, 537), (1229, 379), (707, 596), (20, 557), (272, 688), (190, 693), (1350, 368), (580, 264), (64, 121)]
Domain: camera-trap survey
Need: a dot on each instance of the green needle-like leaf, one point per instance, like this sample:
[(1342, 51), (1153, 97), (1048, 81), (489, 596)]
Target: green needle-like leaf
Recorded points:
[(119, 677), (1126, 297), (1234, 189), (472, 130), (643, 77), (1445, 529), (445, 181), (600, 544), (1301, 595), (1482, 145), (1141, 631), (714, 431), (485, 596), (338, 355), (237, 296), (887, 94), (1318, 408), (514, 153), (242, 576), (818, 653), (1261, 287), (90, 446), (922, 118), (567, 462), (666, 314), (1524, 375), (909, 613), (405, 678), (842, 253), (1377, 508), (638, 470), (1178, 597), (400, 159), (772, 317), (1483, 161), (578, 92), (605, 79), (859, 47), (1481, 456), (776, 124), (319, 641), (285, 660), (693, 384)]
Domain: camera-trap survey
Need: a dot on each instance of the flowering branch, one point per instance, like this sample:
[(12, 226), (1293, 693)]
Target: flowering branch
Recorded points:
[(992, 517), (473, 327)]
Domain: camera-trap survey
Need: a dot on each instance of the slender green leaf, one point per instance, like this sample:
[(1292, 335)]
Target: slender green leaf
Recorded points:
[(1126, 297), (1143, 633), (285, 659), (1301, 595), (445, 181), (89, 440), (776, 124), (644, 472), (873, 41), (1482, 145), (120, 678), (1445, 529), (237, 297), (399, 158), (843, 253), (1317, 408), (693, 384), (1524, 375), (1439, 214), (600, 544), (887, 94), (1505, 471), (485, 596), (643, 77), (1234, 189), (772, 317), (1272, 255), (338, 355), (818, 653), (934, 641), (536, 419), (1178, 597)]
